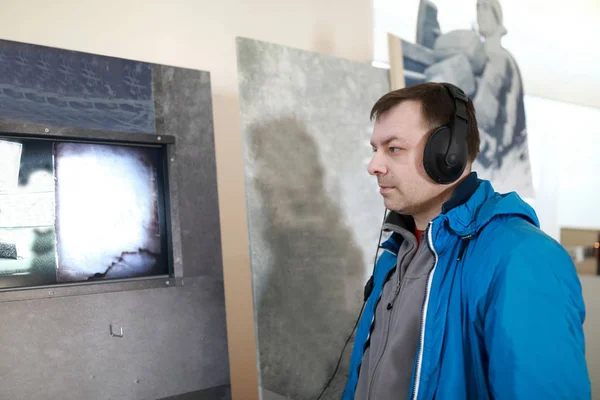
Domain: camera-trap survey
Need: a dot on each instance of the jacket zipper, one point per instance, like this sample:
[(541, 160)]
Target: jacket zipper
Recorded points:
[(424, 313), (463, 246)]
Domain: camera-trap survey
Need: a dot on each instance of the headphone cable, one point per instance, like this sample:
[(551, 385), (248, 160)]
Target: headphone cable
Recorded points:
[(342, 353)]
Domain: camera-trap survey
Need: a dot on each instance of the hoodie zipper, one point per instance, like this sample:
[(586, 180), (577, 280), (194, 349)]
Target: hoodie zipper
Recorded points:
[(378, 363), (390, 305), (424, 313), (398, 287), (388, 308)]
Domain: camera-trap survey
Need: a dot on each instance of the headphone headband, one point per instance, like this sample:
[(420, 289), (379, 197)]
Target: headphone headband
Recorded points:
[(460, 100), (458, 126)]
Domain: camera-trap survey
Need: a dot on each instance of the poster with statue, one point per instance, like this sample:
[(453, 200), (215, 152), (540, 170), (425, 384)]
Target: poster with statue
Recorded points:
[(474, 59)]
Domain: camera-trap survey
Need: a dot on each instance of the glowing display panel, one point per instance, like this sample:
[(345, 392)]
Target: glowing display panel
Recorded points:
[(75, 212)]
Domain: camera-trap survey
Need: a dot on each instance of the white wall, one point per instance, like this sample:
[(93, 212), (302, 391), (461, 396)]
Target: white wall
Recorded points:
[(579, 199), (544, 136), (200, 34), (565, 144)]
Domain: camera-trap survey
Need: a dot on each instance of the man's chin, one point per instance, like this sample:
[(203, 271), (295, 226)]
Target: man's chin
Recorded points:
[(392, 205)]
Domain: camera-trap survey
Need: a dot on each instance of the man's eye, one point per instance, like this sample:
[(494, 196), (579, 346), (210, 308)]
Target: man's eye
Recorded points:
[(391, 149)]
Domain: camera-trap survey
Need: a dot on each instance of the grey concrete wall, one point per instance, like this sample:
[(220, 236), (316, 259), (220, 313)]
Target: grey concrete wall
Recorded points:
[(314, 212)]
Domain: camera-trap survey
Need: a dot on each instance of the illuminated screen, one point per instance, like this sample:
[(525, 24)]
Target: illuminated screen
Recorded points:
[(74, 212)]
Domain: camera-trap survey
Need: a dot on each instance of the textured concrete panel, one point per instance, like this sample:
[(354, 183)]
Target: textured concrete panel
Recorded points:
[(314, 212), (174, 341), (46, 85)]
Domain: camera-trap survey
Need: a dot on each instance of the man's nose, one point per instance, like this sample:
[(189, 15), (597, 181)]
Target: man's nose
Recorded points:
[(376, 166)]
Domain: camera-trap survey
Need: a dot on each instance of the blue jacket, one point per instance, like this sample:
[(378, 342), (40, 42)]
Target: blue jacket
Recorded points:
[(503, 314)]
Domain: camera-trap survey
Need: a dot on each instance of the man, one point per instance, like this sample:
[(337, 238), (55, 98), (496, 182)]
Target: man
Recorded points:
[(469, 299)]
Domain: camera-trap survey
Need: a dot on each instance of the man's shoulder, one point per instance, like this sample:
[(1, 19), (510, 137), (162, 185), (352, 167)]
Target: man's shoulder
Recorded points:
[(521, 247), (507, 233), (515, 258)]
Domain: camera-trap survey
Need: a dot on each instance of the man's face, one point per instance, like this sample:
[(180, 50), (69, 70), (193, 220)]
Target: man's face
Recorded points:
[(398, 141)]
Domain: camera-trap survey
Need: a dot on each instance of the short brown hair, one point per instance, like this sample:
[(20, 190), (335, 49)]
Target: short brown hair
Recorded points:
[(437, 109)]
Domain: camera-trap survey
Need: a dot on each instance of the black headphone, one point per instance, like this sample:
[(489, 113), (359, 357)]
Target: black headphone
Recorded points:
[(446, 153)]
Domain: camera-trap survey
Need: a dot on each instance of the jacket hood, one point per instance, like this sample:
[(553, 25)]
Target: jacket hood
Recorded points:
[(483, 205)]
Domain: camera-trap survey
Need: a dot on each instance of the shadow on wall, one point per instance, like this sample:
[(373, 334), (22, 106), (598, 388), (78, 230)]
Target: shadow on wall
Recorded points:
[(311, 292)]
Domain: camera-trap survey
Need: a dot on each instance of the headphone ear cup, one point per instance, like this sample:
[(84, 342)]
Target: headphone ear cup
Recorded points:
[(435, 152), (434, 157)]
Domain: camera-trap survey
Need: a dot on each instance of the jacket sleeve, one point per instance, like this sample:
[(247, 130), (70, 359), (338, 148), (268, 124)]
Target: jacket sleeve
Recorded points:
[(533, 325)]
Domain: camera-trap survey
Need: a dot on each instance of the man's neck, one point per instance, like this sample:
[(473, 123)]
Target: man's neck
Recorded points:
[(422, 219), (433, 208)]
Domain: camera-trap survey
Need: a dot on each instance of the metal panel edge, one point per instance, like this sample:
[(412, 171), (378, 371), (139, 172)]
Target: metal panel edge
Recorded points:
[(173, 222), (79, 289), (25, 130)]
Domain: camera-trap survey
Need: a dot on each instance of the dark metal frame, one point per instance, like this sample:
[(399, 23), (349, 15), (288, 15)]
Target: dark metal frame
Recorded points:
[(171, 206)]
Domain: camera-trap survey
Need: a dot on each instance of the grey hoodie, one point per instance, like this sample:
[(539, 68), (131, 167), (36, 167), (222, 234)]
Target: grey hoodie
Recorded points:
[(388, 362)]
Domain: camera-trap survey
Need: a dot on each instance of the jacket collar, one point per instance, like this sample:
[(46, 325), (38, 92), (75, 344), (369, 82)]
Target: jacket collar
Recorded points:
[(472, 205), (462, 193), (482, 205)]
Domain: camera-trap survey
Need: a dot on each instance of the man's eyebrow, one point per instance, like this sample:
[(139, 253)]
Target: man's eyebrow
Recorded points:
[(387, 140)]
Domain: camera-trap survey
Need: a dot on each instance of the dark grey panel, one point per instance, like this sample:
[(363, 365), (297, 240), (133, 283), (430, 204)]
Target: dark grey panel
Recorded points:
[(59, 87), (174, 341), (56, 342), (217, 393), (314, 212), (184, 109)]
